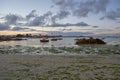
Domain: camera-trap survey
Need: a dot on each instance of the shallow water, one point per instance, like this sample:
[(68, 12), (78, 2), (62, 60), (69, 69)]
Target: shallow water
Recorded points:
[(35, 42), (68, 42)]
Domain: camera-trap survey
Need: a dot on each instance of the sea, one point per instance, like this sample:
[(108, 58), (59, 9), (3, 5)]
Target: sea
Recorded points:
[(65, 41)]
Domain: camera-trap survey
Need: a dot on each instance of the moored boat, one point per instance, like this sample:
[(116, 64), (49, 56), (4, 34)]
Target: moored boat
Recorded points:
[(54, 39), (44, 40), (60, 38)]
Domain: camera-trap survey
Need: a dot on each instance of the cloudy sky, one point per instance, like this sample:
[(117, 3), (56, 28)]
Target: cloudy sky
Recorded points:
[(60, 16)]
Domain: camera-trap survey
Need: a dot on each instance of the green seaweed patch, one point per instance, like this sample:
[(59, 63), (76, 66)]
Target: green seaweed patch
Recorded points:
[(14, 51), (70, 49), (52, 50)]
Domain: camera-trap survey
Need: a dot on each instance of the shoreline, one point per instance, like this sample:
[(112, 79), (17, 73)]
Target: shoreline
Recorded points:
[(76, 50)]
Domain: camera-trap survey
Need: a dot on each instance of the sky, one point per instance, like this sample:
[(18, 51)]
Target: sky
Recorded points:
[(67, 17)]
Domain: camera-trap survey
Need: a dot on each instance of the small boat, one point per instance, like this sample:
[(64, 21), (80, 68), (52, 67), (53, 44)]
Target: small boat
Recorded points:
[(60, 38), (44, 40), (54, 39)]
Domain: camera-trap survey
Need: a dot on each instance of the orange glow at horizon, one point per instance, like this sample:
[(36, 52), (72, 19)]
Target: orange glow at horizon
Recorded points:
[(16, 32)]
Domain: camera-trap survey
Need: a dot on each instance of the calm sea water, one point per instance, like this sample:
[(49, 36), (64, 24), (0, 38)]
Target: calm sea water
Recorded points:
[(69, 41)]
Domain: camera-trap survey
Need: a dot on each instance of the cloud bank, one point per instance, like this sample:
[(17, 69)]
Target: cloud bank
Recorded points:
[(4, 26), (12, 19), (112, 15), (32, 14), (82, 8), (80, 24), (18, 28)]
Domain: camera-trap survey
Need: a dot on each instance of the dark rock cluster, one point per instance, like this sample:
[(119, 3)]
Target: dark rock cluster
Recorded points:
[(89, 41)]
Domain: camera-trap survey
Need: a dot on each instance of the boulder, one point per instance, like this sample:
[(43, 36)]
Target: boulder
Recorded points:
[(89, 41)]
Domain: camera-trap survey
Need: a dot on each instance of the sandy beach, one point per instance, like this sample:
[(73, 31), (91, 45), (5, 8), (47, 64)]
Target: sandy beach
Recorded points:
[(59, 67), (86, 62)]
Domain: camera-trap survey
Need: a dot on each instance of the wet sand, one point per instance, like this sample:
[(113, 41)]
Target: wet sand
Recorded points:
[(59, 67)]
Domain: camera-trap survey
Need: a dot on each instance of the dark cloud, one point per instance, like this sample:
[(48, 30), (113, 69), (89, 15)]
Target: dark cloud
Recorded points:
[(95, 26), (12, 19), (60, 15), (82, 24), (65, 4), (59, 25), (48, 18), (4, 26), (19, 28), (59, 2), (102, 18), (31, 14), (112, 15), (117, 28), (23, 29), (118, 21), (69, 24), (40, 20), (82, 8), (35, 30)]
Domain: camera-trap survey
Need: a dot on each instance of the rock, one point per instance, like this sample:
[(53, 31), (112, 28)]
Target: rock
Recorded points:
[(89, 41)]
